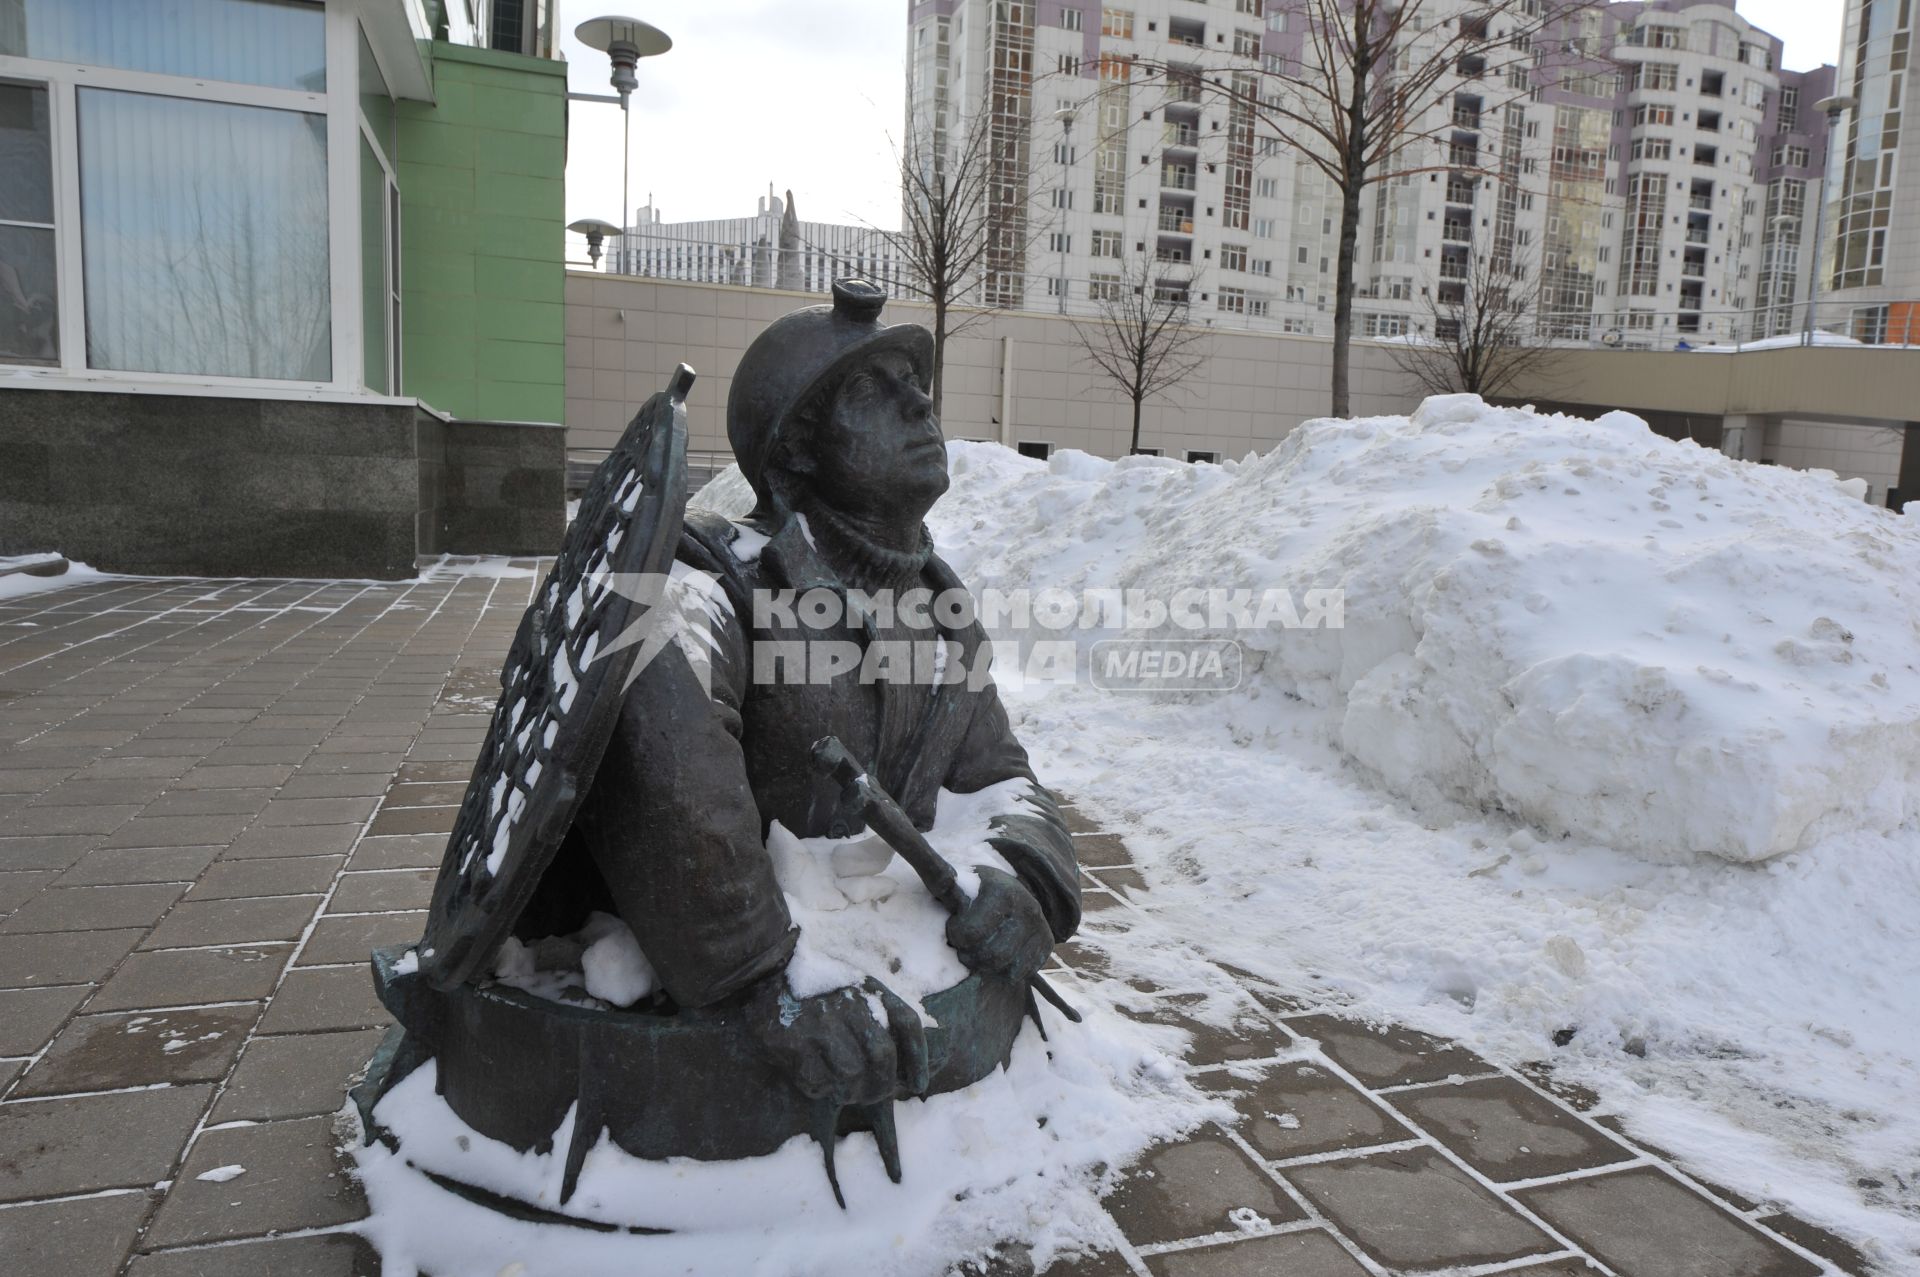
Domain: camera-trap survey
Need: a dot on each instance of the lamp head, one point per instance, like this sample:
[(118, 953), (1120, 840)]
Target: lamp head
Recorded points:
[(625, 41), (596, 232)]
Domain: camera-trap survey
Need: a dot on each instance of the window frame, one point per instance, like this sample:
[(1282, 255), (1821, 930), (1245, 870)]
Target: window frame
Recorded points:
[(338, 105)]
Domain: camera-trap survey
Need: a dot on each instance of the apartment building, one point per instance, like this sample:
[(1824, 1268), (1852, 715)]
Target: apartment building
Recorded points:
[(771, 249), (1870, 253), (1648, 162)]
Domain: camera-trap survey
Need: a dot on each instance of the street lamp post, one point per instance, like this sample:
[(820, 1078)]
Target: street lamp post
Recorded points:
[(1066, 116), (1831, 108), (625, 41)]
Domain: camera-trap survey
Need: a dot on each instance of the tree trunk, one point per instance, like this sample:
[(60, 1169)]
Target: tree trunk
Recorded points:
[(1134, 450), (939, 351), (1353, 166)]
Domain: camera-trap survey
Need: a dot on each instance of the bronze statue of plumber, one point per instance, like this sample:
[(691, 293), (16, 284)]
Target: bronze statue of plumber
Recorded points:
[(641, 778)]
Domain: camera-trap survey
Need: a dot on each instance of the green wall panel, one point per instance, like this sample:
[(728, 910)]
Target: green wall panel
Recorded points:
[(483, 208)]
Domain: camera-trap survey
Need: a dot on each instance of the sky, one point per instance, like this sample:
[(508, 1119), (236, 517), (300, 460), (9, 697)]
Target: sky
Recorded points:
[(810, 95)]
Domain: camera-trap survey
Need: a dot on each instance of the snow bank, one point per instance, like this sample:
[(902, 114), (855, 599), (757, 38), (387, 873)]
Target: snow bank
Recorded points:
[(1614, 636)]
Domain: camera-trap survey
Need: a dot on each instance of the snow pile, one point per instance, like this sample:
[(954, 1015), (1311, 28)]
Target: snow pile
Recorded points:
[(24, 574), (1616, 637)]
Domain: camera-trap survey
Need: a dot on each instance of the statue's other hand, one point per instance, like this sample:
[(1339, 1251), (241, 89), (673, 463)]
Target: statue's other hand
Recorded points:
[(841, 1046), (1002, 931)]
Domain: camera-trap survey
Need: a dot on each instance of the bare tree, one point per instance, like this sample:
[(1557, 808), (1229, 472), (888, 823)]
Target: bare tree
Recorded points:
[(947, 226), (1138, 337), (1366, 100), (1481, 338)]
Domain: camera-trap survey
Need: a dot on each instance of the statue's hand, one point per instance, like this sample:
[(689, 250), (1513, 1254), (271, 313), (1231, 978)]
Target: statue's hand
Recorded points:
[(1002, 931), (840, 1046)]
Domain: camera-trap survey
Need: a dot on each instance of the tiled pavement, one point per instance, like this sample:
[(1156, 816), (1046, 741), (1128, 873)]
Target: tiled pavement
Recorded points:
[(216, 796)]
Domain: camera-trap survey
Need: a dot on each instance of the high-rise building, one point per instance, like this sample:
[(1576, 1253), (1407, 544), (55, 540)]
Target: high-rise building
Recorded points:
[(1870, 251), (1648, 162)]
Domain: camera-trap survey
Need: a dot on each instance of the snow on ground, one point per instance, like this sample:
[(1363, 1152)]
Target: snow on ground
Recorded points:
[(1620, 737), (17, 578)]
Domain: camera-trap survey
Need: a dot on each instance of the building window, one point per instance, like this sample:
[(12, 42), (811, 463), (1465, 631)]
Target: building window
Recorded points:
[(204, 231), (1116, 24), (1233, 300), (1233, 257), (1060, 242), (1070, 19), (29, 314), (1039, 450), (1106, 244), (1104, 288), (1201, 457), (278, 44)]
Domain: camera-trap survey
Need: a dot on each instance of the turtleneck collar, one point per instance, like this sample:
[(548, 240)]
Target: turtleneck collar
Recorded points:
[(859, 560)]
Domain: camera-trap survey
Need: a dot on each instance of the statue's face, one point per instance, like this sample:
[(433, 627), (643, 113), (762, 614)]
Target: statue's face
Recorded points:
[(879, 453)]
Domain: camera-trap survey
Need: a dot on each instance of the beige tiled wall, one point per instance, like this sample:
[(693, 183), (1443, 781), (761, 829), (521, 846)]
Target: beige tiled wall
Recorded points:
[(624, 336)]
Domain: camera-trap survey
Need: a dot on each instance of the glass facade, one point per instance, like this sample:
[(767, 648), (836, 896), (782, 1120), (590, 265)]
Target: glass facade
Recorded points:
[(204, 226), (29, 312), (1864, 173), (280, 44)]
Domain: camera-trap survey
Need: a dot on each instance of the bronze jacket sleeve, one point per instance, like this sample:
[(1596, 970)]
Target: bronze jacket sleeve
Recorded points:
[(672, 824), (1032, 834)]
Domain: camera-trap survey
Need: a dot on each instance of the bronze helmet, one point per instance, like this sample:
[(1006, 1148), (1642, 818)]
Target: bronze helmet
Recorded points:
[(799, 359)]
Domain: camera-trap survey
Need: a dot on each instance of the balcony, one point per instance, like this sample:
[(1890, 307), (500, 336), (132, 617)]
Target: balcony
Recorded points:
[(1175, 221), (1453, 269), (1463, 156), (1470, 67), (1697, 235), (1455, 230), (1702, 202), (1463, 119), (1186, 32), (1176, 179), (1460, 191), (1184, 136)]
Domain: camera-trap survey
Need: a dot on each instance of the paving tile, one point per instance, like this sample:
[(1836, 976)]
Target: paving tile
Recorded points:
[(318, 811), (18, 888), (242, 776), (86, 1143), (1308, 1254), (293, 840), (83, 1237), (280, 876), (439, 794), (293, 1180), (71, 820), (323, 1255), (299, 1075), (1836, 1250), (1508, 1131), (201, 922), (1644, 1223), (1414, 1209), (72, 957), (93, 908), (189, 977), (138, 768), (410, 851), (312, 1000), (1192, 1189), (44, 851), (28, 1017), (210, 802), (1100, 851), (180, 831), (112, 865), (352, 785), (1387, 1055), (108, 1052), (87, 792), (354, 938), (412, 772), (383, 892), (1297, 1110), (346, 764), (255, 755), (409, 820), (1250, 1036)]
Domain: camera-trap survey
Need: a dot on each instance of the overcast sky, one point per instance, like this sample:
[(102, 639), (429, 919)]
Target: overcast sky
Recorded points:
[(808, 95)]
